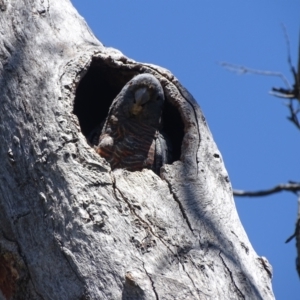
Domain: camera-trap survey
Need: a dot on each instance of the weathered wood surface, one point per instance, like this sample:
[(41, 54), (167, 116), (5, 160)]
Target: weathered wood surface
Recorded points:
[(70, 228)]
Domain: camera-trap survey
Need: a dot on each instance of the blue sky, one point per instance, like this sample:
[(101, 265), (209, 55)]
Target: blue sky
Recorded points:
[(259, 145)]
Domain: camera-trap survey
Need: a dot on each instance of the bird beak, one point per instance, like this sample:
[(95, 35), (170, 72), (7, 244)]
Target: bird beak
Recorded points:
[(141, 96)]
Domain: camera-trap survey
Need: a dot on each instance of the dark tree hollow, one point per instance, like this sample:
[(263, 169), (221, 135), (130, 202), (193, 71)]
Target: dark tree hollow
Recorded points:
[(98, 88)]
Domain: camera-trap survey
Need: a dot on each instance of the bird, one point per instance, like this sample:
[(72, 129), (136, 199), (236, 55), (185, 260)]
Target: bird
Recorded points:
[(131, 137)]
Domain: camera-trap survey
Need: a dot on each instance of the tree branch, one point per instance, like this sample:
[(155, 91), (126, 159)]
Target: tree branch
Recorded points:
[(244, 70), (288, 46), (293, 187), (291, 93), (293, 112)]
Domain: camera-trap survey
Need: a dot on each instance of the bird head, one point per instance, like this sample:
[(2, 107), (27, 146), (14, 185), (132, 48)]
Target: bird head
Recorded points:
[(140, 98), (145, 98)]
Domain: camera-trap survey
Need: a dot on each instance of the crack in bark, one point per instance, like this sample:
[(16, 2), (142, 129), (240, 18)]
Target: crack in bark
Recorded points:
[(231, 276), (20, 216), (190, 279), (180, 207), (97, 184), (143, 221), (196, 268), (131, 208), (152, 282)]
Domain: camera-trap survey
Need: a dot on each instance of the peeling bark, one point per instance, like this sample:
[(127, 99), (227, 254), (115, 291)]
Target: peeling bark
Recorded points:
[(70, 228)]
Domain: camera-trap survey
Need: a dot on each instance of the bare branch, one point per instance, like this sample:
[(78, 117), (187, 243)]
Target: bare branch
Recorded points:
[(291, 93), (296, 233), (298, 69), (244, 70), (275, 92), (290, 187), (293, 113), (290, 238), (288, 45)]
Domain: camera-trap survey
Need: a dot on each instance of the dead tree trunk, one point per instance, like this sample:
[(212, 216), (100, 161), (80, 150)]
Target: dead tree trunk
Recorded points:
[(73, 229)]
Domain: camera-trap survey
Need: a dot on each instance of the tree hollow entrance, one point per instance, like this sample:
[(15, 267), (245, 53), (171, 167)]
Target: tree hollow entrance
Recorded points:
[(98, 88)]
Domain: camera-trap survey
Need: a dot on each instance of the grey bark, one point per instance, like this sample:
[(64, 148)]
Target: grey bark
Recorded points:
[(70, 228)]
